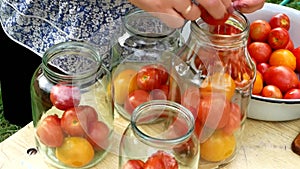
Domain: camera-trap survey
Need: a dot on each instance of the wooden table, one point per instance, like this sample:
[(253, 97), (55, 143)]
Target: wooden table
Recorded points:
[(265, 145)]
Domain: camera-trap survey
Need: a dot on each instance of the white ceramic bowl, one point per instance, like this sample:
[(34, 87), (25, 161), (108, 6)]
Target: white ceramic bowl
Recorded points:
[(268, 109)]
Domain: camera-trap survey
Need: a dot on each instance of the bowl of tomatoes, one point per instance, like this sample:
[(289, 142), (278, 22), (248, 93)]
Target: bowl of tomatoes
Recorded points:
[(274, 46)]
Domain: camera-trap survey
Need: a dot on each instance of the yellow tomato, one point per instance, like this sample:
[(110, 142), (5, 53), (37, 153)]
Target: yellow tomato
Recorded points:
[(258, 84), (219, 82), (75, 152), (283, 57), (124, 83), (218, 147)]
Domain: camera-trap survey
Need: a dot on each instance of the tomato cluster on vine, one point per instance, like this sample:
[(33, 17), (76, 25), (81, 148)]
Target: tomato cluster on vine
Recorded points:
[(277, 59)]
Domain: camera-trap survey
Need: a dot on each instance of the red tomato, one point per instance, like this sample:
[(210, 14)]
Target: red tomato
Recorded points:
[(161, 160), (259, 30), (280, 20), (206, 17), (234, 121), (74, 121), (64, 96), (271, 91), (260, 51), (281, 76), (134, 164), (163, 73), (98, 133), (290, 45), (134, 99), (292, 94), (278, 38), (214, 111), (249, 41), (151, 77), (198, 128), (262, 67), (50, 132), (165, 88), (296, 53)]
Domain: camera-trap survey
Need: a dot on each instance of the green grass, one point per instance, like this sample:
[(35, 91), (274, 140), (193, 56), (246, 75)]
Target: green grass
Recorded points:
[(293, 4), (7, 129)]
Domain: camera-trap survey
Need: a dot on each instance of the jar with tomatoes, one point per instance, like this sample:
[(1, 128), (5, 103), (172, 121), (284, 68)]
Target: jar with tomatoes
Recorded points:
[(223, 76), (160, 135), (72, 107), (142, 59)]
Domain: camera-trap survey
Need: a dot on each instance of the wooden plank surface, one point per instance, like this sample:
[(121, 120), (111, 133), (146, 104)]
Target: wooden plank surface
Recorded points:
[(265, 145)]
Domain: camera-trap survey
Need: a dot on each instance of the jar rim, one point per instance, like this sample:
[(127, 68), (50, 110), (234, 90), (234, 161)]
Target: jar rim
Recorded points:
[(71, 60), (145, 24), (138, 118), (237, 19)]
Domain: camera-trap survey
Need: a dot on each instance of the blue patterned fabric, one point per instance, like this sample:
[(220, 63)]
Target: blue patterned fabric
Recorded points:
[(39, 24)]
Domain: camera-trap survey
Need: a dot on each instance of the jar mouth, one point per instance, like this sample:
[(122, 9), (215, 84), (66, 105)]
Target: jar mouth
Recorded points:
[(71, 61), (235, 26), (170, 122), (145, 24)]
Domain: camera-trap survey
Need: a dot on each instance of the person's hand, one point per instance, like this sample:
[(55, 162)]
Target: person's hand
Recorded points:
[(173, 12), (248, 6), (216, 8)]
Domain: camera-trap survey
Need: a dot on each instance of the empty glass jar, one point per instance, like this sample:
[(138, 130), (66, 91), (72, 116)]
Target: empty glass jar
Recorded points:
[(160, 135), (72, 107), (223, 75)]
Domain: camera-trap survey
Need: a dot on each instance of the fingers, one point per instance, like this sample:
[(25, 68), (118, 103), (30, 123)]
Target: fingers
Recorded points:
[(248, 6), (163, 9), (227, 3), (172, 12), (187, 9), (216, 8)]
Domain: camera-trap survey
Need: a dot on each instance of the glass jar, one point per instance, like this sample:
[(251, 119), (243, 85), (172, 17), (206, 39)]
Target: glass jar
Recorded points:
[(143, 42), (72, 108), (160, 135), (141, 31), (223, 76)]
